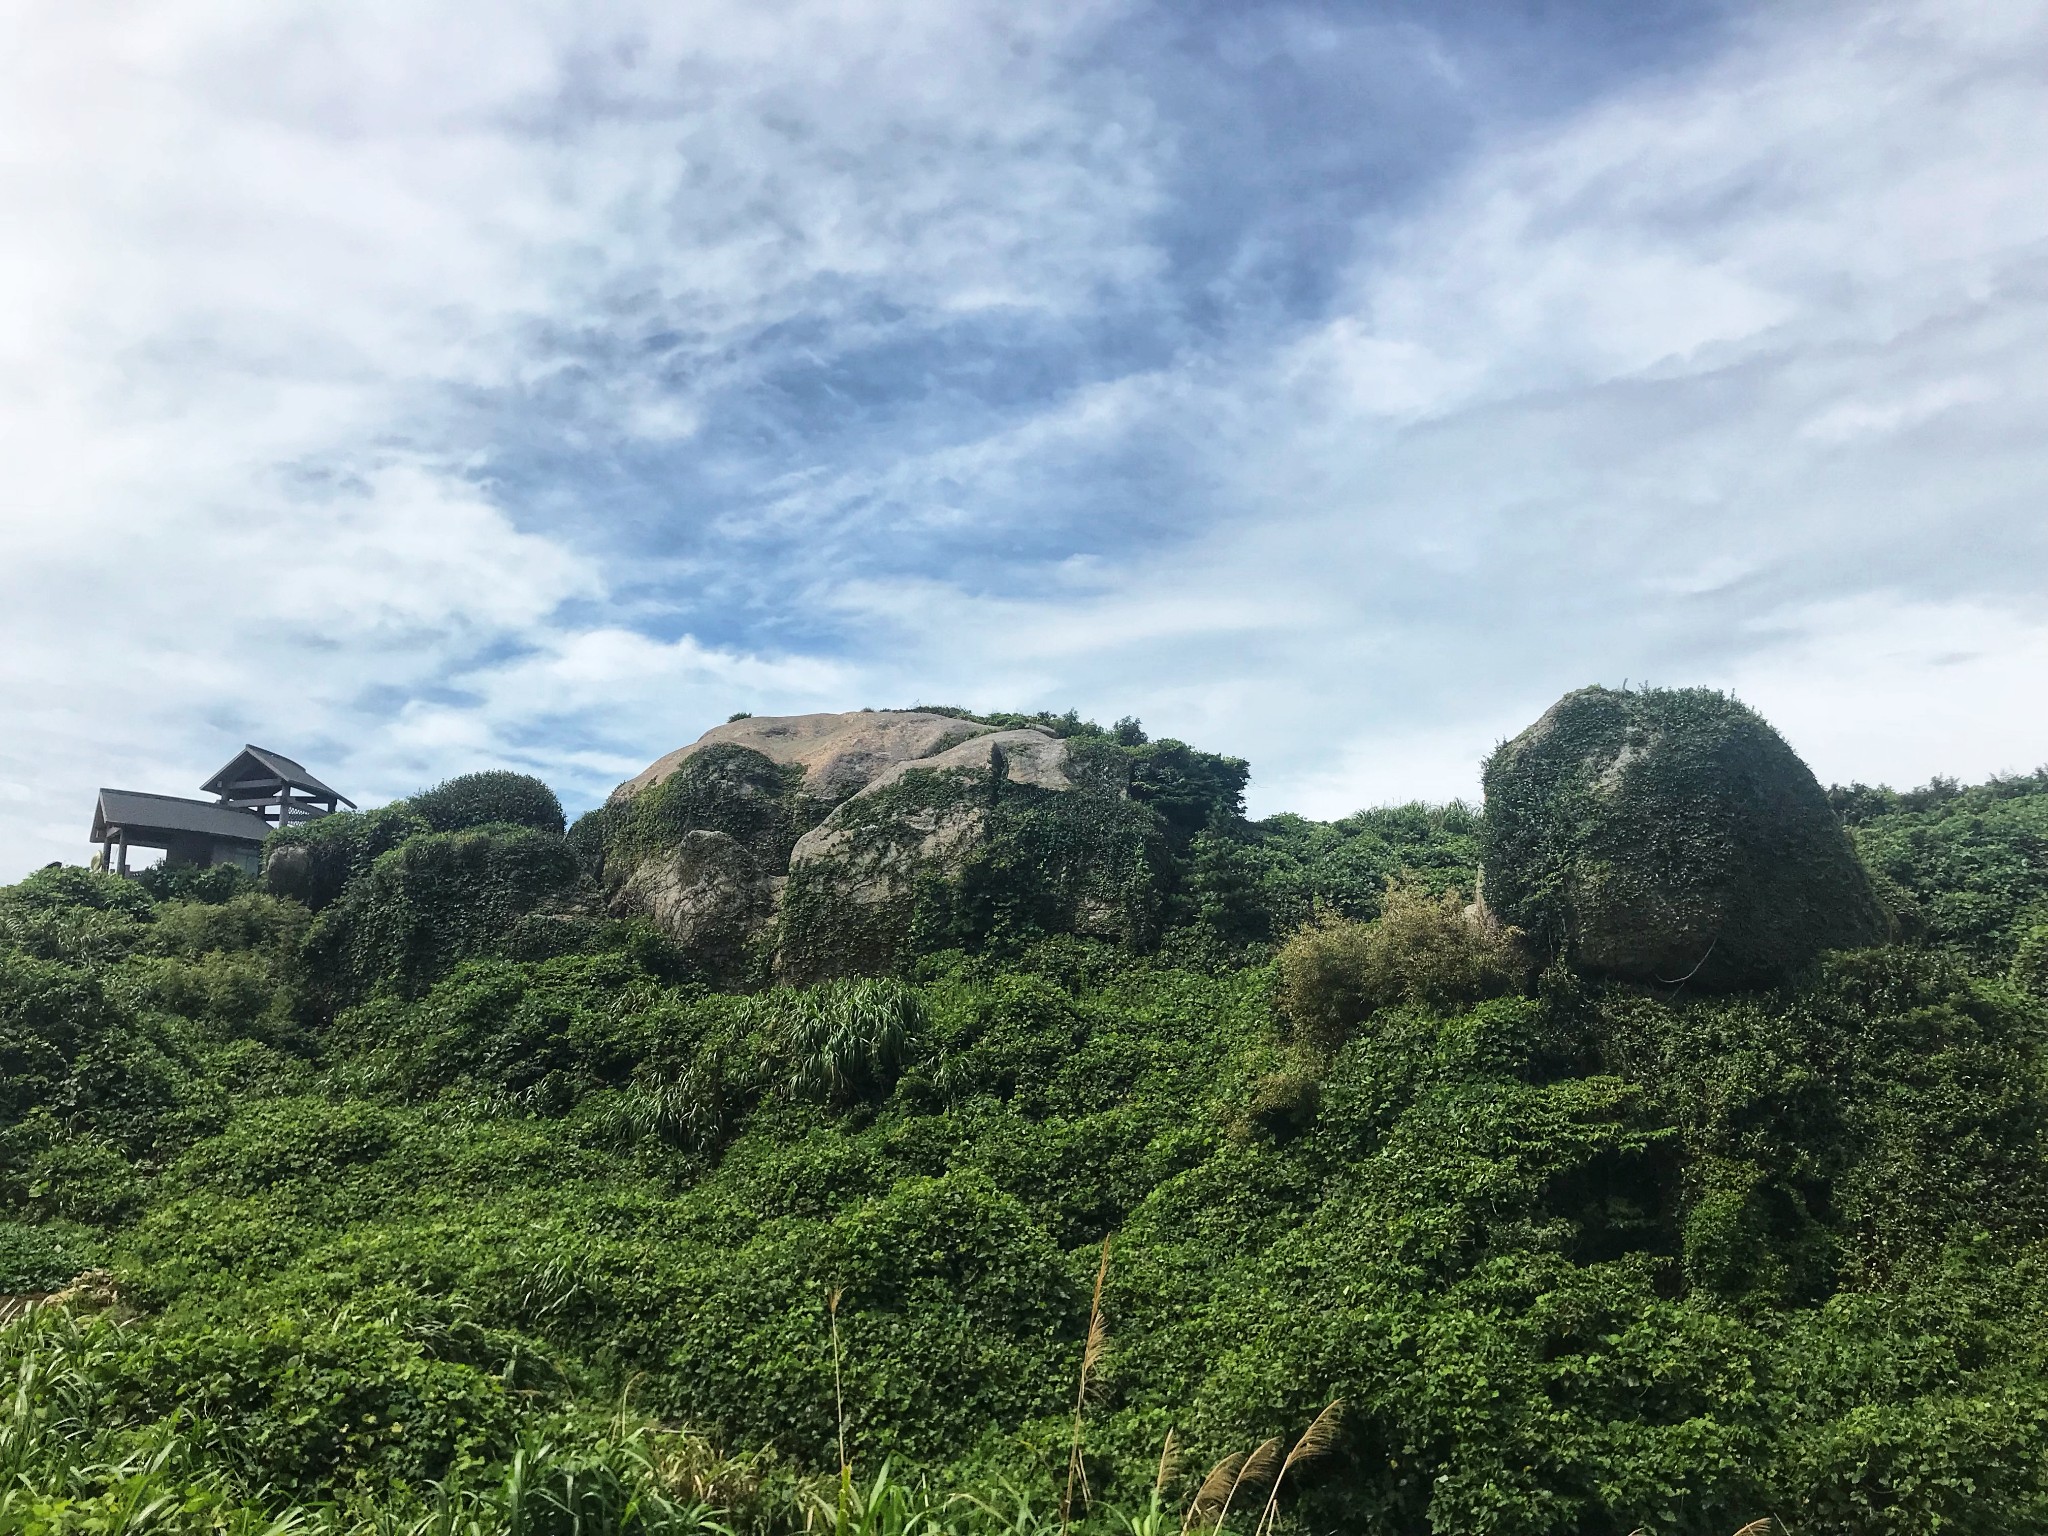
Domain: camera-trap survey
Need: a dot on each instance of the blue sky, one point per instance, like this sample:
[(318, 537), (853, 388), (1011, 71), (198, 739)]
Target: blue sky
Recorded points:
[(423, 387)]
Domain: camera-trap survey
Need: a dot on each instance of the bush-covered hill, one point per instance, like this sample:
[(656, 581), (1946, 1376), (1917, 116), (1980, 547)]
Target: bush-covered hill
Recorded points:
[(410, 1190)]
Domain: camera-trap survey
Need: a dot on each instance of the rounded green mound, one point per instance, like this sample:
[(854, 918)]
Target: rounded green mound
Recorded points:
[(1668, 835), (487, 799)]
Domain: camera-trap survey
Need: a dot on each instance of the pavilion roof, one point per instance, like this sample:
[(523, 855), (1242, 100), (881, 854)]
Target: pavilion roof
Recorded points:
[(259, 763), (139, 813)]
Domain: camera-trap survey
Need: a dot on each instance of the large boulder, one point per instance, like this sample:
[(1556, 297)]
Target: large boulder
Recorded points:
[(1007, 835), (872, 836), (837, 753), (712, 894), (1667, 836), (699, 841)]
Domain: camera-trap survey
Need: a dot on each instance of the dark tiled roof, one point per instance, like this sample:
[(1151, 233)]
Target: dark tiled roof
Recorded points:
[(275, 764), (142, 814)]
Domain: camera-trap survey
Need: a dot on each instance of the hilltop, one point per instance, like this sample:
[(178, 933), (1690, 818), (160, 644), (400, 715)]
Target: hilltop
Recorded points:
[(1660, 1146)]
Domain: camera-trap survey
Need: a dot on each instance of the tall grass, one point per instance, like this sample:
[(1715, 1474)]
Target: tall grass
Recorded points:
[(841, 1041), (1092, 1351), (72, 1465)]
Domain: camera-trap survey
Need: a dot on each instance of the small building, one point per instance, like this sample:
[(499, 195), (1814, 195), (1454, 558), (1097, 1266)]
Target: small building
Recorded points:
[(258, 791)]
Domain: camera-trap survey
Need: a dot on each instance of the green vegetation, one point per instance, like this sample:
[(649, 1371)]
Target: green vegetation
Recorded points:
[(1669, 835), (405, 1191), (485, 799)]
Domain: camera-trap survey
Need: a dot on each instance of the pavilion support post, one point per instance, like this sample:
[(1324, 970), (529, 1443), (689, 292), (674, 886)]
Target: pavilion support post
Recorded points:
[(124, 855)]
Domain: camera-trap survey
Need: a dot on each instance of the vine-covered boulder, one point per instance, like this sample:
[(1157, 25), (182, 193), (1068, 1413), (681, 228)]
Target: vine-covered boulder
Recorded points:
[(812, 846), (435, 900), (313, 861), (700, 841), (1667, 836), (1011, 834)]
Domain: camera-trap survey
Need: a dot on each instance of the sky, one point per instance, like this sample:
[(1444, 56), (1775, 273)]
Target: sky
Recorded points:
[(422, 387)]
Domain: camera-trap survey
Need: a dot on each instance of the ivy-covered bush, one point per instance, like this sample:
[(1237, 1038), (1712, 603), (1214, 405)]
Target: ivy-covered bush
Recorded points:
[(435, 900), (1963, 867), (559, 1239), (312, 862), (1422, 951), (498, 796)]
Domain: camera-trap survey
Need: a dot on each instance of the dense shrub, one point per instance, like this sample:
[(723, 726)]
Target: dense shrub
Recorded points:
[(43, 1257), (2030, 961), (65, 886), (194, 883), (1423, 951), (430, 903), (1583, 1256), (1968, 868), (550, 1032), (71, 1048), (313, 862), (485, 799)]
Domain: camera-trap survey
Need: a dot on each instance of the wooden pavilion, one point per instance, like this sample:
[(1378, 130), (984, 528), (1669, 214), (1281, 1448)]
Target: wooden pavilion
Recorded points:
[(258, 791)]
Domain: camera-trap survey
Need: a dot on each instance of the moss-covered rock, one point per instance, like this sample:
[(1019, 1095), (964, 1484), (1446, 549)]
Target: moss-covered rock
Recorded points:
[(313, 861), (1006, 837), (1667, 835), (850, 842)]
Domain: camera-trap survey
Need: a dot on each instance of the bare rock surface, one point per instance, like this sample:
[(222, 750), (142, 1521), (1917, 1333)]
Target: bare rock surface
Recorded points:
[(840, 753), (1017, 757)]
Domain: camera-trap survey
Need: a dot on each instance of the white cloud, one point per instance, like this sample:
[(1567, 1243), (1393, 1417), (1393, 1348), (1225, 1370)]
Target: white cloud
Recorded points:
[(1888, 688), (255, 259), (1771, 340)]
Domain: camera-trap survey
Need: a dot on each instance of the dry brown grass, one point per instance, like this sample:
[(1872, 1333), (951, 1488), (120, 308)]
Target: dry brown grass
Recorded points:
[(1315, 1441), (1091, 1356), (1216, 1487), (1257, 1470), (1169, 1462)]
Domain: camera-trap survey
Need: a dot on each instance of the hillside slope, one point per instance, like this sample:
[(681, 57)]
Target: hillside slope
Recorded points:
[(417, 1188)]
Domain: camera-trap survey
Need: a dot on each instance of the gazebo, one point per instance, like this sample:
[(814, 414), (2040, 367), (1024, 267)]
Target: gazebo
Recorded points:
[(258, 792), (274, 787)]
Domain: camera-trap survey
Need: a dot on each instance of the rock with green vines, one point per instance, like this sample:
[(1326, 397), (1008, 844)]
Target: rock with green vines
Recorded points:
[(1007, 837), (1669, 836), (700, 841)]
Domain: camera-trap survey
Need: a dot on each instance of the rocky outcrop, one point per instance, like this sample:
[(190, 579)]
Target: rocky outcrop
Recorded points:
[(1032, 757), (878, 842), (699, 842), (710, 893), (1668, 836), (1008, 833), (838, 753), (846, 844)]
